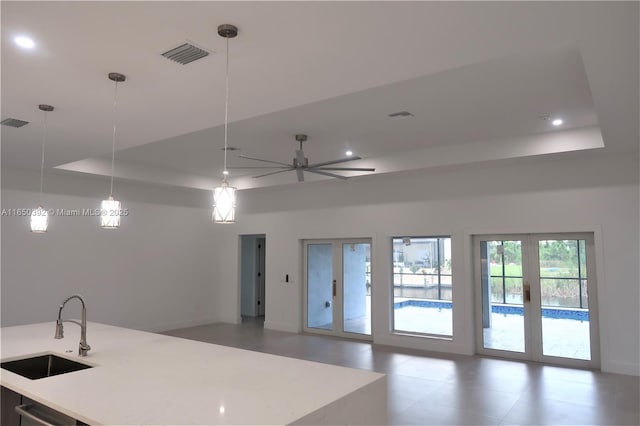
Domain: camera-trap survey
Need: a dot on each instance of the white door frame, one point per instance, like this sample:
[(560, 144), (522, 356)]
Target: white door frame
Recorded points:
[(533, 321), (337, 302)]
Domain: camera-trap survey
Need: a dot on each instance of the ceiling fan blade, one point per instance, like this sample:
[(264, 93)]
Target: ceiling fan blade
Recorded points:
[(258, 167), (342, 160), (264, 161), (351, 169), (316, 171), (273, 173)]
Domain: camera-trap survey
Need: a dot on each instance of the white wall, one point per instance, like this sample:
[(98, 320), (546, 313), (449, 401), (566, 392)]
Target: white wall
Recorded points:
[(572, 193), (170, 267), (155, 273)]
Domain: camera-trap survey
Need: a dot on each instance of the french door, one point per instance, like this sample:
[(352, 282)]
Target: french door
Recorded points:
[(536, 298), (337, 288)]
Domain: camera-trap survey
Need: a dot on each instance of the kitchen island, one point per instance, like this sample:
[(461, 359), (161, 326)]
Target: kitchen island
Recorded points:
[(147, 378)]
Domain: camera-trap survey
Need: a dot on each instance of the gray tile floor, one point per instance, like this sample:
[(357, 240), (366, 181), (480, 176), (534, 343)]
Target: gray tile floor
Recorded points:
[(428, 388)]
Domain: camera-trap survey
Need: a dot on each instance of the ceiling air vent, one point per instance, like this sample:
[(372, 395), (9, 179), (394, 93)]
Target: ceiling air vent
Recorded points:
[(13, 122), (186, 53), (400, 114)]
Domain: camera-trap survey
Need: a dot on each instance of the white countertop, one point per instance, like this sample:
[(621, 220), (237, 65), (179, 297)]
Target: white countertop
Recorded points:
[(147, 378)]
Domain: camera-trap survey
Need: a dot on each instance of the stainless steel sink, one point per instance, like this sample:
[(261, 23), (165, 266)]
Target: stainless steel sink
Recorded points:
[(43, 366)]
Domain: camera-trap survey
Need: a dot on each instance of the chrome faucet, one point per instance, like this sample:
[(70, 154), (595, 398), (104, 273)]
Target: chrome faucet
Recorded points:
[(84, 346)]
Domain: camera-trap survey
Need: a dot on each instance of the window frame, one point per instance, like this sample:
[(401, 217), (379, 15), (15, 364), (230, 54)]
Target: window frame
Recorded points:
[(441, 259)]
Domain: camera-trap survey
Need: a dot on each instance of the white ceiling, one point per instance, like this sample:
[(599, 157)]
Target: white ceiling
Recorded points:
[(477, 77)]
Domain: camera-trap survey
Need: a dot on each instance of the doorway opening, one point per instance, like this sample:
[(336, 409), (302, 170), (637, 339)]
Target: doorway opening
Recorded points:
[(536, 298), (337, 289), (252, 277)]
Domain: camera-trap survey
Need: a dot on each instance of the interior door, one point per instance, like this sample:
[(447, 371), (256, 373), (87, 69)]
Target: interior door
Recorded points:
[(536, 298), (338, 287), (260, 278)]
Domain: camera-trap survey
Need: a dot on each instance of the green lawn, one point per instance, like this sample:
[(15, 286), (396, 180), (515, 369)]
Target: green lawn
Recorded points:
[(516, 271), (509, 270)]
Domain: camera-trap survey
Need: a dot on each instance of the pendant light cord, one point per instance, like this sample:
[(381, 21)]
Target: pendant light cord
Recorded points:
[(113, 142), (226, 112), (44, 141)]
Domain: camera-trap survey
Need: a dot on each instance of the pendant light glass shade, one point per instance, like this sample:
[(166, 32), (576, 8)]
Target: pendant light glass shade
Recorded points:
[(110, 213), (224, 204), (39, 220), (40, 216), (224, 196), (110, 209)]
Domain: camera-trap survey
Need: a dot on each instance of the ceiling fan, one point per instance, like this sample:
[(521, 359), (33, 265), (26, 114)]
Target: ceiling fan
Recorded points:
[(301, 164)]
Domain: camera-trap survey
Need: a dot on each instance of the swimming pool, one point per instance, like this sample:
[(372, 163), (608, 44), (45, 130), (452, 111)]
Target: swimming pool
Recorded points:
[(547, 312), (566, 331)]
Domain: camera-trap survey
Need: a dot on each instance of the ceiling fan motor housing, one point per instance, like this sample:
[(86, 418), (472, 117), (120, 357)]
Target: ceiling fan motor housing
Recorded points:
[(297, 164)]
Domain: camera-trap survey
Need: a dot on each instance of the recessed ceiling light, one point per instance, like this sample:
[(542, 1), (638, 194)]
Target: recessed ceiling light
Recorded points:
[(557, 122), (25, 42), (225, 172), (349, 153)]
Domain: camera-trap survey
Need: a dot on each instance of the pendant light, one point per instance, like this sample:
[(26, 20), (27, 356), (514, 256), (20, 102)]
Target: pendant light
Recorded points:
[(224, 196), (110, 208), (40, 216)]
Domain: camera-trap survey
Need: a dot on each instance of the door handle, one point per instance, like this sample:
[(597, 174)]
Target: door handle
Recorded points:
[(527, 292), (334, 288)]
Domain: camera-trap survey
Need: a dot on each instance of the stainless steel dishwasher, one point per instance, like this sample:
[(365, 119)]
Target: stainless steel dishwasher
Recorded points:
[(35, 414)]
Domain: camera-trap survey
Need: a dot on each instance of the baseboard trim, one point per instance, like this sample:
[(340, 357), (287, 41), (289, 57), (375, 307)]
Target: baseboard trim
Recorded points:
[(421, 343), (231, 320), (178, 325), (617, 367), (279, 326)]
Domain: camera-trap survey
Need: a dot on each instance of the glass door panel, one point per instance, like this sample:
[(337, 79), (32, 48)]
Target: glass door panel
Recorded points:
[(356, 288), (537, 298), (337, 288), (320, 286), (502, 289), (564, 306)]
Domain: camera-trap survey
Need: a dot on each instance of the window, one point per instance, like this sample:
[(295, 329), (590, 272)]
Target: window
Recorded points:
[(422, 286)]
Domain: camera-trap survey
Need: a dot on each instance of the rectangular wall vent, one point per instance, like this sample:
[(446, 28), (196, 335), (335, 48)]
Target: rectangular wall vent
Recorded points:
[(13, 122), (185, 53)]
